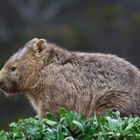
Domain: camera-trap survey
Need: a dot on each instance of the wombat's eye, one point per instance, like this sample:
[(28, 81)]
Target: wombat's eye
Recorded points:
[(13, 68)]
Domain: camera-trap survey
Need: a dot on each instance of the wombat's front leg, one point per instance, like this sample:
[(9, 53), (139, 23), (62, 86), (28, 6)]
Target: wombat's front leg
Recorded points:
[(44, 110)]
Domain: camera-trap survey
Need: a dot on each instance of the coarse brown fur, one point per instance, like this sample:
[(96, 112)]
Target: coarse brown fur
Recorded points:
[(52, 77)]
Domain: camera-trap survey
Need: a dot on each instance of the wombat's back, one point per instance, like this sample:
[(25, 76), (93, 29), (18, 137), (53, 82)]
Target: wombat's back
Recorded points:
[(105, 70)]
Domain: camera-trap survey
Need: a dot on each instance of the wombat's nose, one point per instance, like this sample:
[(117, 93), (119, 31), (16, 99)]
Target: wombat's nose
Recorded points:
[(1, 82), (1, 79)]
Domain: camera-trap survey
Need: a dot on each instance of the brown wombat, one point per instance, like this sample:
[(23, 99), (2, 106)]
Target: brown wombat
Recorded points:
[(52, 78)]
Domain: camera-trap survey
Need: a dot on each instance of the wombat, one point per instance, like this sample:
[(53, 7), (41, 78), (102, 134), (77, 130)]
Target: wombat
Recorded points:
[(52, 77)]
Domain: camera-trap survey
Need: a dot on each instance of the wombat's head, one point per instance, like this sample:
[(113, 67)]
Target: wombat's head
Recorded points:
[(21, 71)]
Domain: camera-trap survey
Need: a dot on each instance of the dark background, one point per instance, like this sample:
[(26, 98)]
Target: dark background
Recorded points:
[(108, 26)]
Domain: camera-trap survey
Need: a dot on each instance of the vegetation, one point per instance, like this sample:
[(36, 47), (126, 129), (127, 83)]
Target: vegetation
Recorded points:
[(72, 126)]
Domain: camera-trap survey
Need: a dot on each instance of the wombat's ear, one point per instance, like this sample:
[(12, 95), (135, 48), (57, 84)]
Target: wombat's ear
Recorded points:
[(39, 46)]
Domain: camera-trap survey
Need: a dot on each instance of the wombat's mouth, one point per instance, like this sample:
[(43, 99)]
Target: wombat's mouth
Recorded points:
[(8, 93), (12, 90), (3, 92)]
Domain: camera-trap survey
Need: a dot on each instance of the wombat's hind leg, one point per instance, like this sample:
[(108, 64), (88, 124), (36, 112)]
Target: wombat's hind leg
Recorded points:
[(116, 101)]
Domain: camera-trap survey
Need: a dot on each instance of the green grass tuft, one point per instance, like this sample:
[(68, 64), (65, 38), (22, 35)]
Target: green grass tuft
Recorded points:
[(72, 126)]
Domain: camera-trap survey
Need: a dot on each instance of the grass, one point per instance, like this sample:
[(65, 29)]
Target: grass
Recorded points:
[(72, 126)]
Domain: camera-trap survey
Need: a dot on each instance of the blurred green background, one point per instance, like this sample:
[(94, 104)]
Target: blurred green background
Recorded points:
[(107, 26)]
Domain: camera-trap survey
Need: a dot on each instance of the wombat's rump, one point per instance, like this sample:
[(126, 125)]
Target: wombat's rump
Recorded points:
[(52, 77)]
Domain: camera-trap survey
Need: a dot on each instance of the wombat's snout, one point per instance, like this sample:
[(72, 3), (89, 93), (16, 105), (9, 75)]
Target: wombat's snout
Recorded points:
[(1, 83), (1, 80)]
